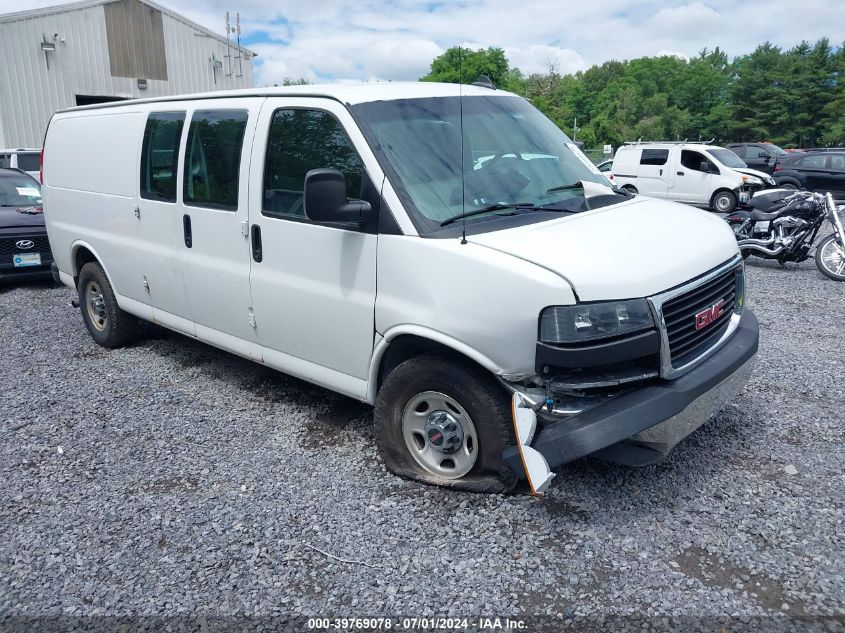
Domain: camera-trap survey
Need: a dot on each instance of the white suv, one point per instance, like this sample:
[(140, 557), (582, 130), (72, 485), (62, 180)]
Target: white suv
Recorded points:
[(694, 173), (444, 253)]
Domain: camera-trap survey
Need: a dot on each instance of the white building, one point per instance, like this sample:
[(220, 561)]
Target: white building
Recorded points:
[(105, 50)]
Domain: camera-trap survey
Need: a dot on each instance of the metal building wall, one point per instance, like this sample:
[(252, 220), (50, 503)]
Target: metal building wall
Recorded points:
[(30, 91)]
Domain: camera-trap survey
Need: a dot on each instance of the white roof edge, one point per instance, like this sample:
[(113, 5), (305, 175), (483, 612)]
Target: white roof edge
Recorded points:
[(346, 93), (86, 4)]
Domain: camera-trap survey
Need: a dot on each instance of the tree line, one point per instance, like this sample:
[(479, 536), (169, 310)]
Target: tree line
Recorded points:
[(794, 97)]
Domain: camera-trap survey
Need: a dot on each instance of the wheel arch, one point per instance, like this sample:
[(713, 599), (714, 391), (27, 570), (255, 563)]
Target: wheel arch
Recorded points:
[(404, 342), (82, 253), (723, 190)]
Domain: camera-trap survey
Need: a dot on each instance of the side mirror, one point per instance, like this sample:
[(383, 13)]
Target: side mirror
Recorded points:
[(704, 166), (325, 199)]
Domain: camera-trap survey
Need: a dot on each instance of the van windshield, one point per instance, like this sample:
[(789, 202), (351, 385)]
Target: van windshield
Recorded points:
[(727, 158), (511, 155)]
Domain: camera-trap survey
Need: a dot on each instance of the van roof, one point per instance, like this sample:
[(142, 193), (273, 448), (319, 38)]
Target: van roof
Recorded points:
[(668, 145), (348, 93)]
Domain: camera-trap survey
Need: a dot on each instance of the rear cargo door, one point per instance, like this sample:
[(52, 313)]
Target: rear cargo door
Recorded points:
[(653, 174)]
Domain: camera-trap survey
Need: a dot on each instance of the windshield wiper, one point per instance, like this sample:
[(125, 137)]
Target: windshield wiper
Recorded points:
[(574, 185), (488, 209)]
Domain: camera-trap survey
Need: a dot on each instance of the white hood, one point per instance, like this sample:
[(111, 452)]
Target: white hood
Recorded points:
[(753, 172), (634, 249)]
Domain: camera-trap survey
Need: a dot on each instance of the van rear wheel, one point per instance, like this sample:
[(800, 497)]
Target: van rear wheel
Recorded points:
[(442, 420), (108, 325)]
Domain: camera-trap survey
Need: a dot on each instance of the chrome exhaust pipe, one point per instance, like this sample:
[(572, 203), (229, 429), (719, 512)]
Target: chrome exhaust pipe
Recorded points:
[(751, 242), (762, 249)]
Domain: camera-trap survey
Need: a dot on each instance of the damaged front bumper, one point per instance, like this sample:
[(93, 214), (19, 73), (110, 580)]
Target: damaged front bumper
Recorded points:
[(640, 426)]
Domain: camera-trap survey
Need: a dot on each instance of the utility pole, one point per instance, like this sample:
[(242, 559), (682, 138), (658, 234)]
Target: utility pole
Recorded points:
[(575, 129)]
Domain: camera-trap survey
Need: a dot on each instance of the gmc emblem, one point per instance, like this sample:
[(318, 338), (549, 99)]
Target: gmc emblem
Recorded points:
[(708, 315)]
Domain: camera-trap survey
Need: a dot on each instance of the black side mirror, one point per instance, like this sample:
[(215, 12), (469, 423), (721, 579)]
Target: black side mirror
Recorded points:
[(704, 166), (325, 199)]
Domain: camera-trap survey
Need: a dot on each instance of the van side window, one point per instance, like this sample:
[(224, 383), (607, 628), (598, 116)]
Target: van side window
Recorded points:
[(692, 160), (814, 161), (213, 158), (299, 141), (654, 157), (837, 161), (160, 155)]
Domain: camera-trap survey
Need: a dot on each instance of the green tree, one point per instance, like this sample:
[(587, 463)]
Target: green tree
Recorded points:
[(464, 65)]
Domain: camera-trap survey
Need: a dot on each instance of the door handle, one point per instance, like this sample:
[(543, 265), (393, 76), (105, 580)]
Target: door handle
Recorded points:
[(680, 173), (661, 172), (186, 228), (256, 243)]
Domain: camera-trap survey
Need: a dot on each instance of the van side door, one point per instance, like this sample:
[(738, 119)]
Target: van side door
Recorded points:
[(313, 285), (159, 251), (213, 221), (692, 184), (653, 173)]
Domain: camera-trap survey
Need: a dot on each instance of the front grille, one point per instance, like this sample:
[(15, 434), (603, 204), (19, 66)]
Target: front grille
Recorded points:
[(679, 314), (8, 248)]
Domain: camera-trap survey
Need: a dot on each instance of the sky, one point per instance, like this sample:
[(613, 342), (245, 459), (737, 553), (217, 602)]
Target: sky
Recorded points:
[(370, 40)]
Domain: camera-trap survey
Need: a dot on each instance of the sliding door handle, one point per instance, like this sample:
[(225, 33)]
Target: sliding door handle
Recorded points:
[(186, 230), (255, 240)]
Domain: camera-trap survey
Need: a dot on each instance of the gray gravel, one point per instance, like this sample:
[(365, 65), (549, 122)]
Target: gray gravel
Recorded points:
[(172, 479)]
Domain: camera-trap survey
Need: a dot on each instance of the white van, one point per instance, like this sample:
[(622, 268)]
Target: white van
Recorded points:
[(694, 173), (450, 257)]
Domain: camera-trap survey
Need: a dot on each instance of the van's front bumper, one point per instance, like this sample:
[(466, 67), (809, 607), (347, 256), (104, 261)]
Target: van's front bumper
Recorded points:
[(641, 426)]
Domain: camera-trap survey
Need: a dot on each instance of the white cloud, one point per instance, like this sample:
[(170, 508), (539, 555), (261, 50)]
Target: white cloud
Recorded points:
[(397, 39)]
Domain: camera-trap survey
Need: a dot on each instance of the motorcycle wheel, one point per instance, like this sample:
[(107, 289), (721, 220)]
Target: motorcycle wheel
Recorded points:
[(830, 258)]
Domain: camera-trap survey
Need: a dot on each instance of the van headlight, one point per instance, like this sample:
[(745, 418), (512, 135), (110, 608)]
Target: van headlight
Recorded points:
[(590, 321)]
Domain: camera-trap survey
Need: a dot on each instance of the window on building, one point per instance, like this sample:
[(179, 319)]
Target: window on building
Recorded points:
[(213, 158), (160, 155), (299, 141), (654, 157)]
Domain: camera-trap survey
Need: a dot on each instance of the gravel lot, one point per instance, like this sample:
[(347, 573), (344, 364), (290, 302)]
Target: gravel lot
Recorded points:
[(173, 479)]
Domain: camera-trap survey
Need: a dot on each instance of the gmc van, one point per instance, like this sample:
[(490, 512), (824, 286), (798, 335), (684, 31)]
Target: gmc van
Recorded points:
[(444, 253), (694, 173)]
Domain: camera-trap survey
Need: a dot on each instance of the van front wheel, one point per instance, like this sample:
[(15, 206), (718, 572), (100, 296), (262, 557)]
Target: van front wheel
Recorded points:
[(108, 325), (444, 421), (723, 202)]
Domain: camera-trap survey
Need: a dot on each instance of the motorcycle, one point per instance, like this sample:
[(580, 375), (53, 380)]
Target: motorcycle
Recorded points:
[(783, 225)]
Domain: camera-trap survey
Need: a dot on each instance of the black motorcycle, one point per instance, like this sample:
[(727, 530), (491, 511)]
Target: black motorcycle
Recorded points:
[(783, 225)]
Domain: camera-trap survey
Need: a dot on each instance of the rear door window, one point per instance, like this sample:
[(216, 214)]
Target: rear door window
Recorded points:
[(654, 157), (213, 159), (837, 162), (160, 155), (739, 150), (814, 161)]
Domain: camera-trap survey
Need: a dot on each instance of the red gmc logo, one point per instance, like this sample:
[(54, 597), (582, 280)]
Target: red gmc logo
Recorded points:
[(708, 315)]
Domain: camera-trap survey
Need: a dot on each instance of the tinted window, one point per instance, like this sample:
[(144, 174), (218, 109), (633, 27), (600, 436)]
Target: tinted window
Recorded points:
[(19, 190), (755, 151), (160, 155), (692, 160), (213, 158), (299, 141), (837, 161), (739, 150), (814, 161), (654, 157), (29, 161)]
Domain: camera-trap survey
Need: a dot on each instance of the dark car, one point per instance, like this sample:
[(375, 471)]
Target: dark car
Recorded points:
[(759, 156), (815, 171), (24, 248)]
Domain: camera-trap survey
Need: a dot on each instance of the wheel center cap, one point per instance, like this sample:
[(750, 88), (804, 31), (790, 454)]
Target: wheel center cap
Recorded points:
[(444, 432)]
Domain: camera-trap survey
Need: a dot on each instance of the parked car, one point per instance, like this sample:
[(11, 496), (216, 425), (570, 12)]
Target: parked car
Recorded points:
[(390, 242), (760, 156), (814, 171), (694, 173), (24, 247), (28, 160)]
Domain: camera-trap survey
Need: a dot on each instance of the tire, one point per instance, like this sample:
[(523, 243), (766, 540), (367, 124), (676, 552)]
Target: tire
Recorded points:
[(823, 260), (473, 399), (723, 202), (108, 325), (789, 185)]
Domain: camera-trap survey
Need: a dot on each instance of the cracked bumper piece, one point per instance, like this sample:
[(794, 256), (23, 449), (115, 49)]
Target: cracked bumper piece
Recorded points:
[(641, 426)]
